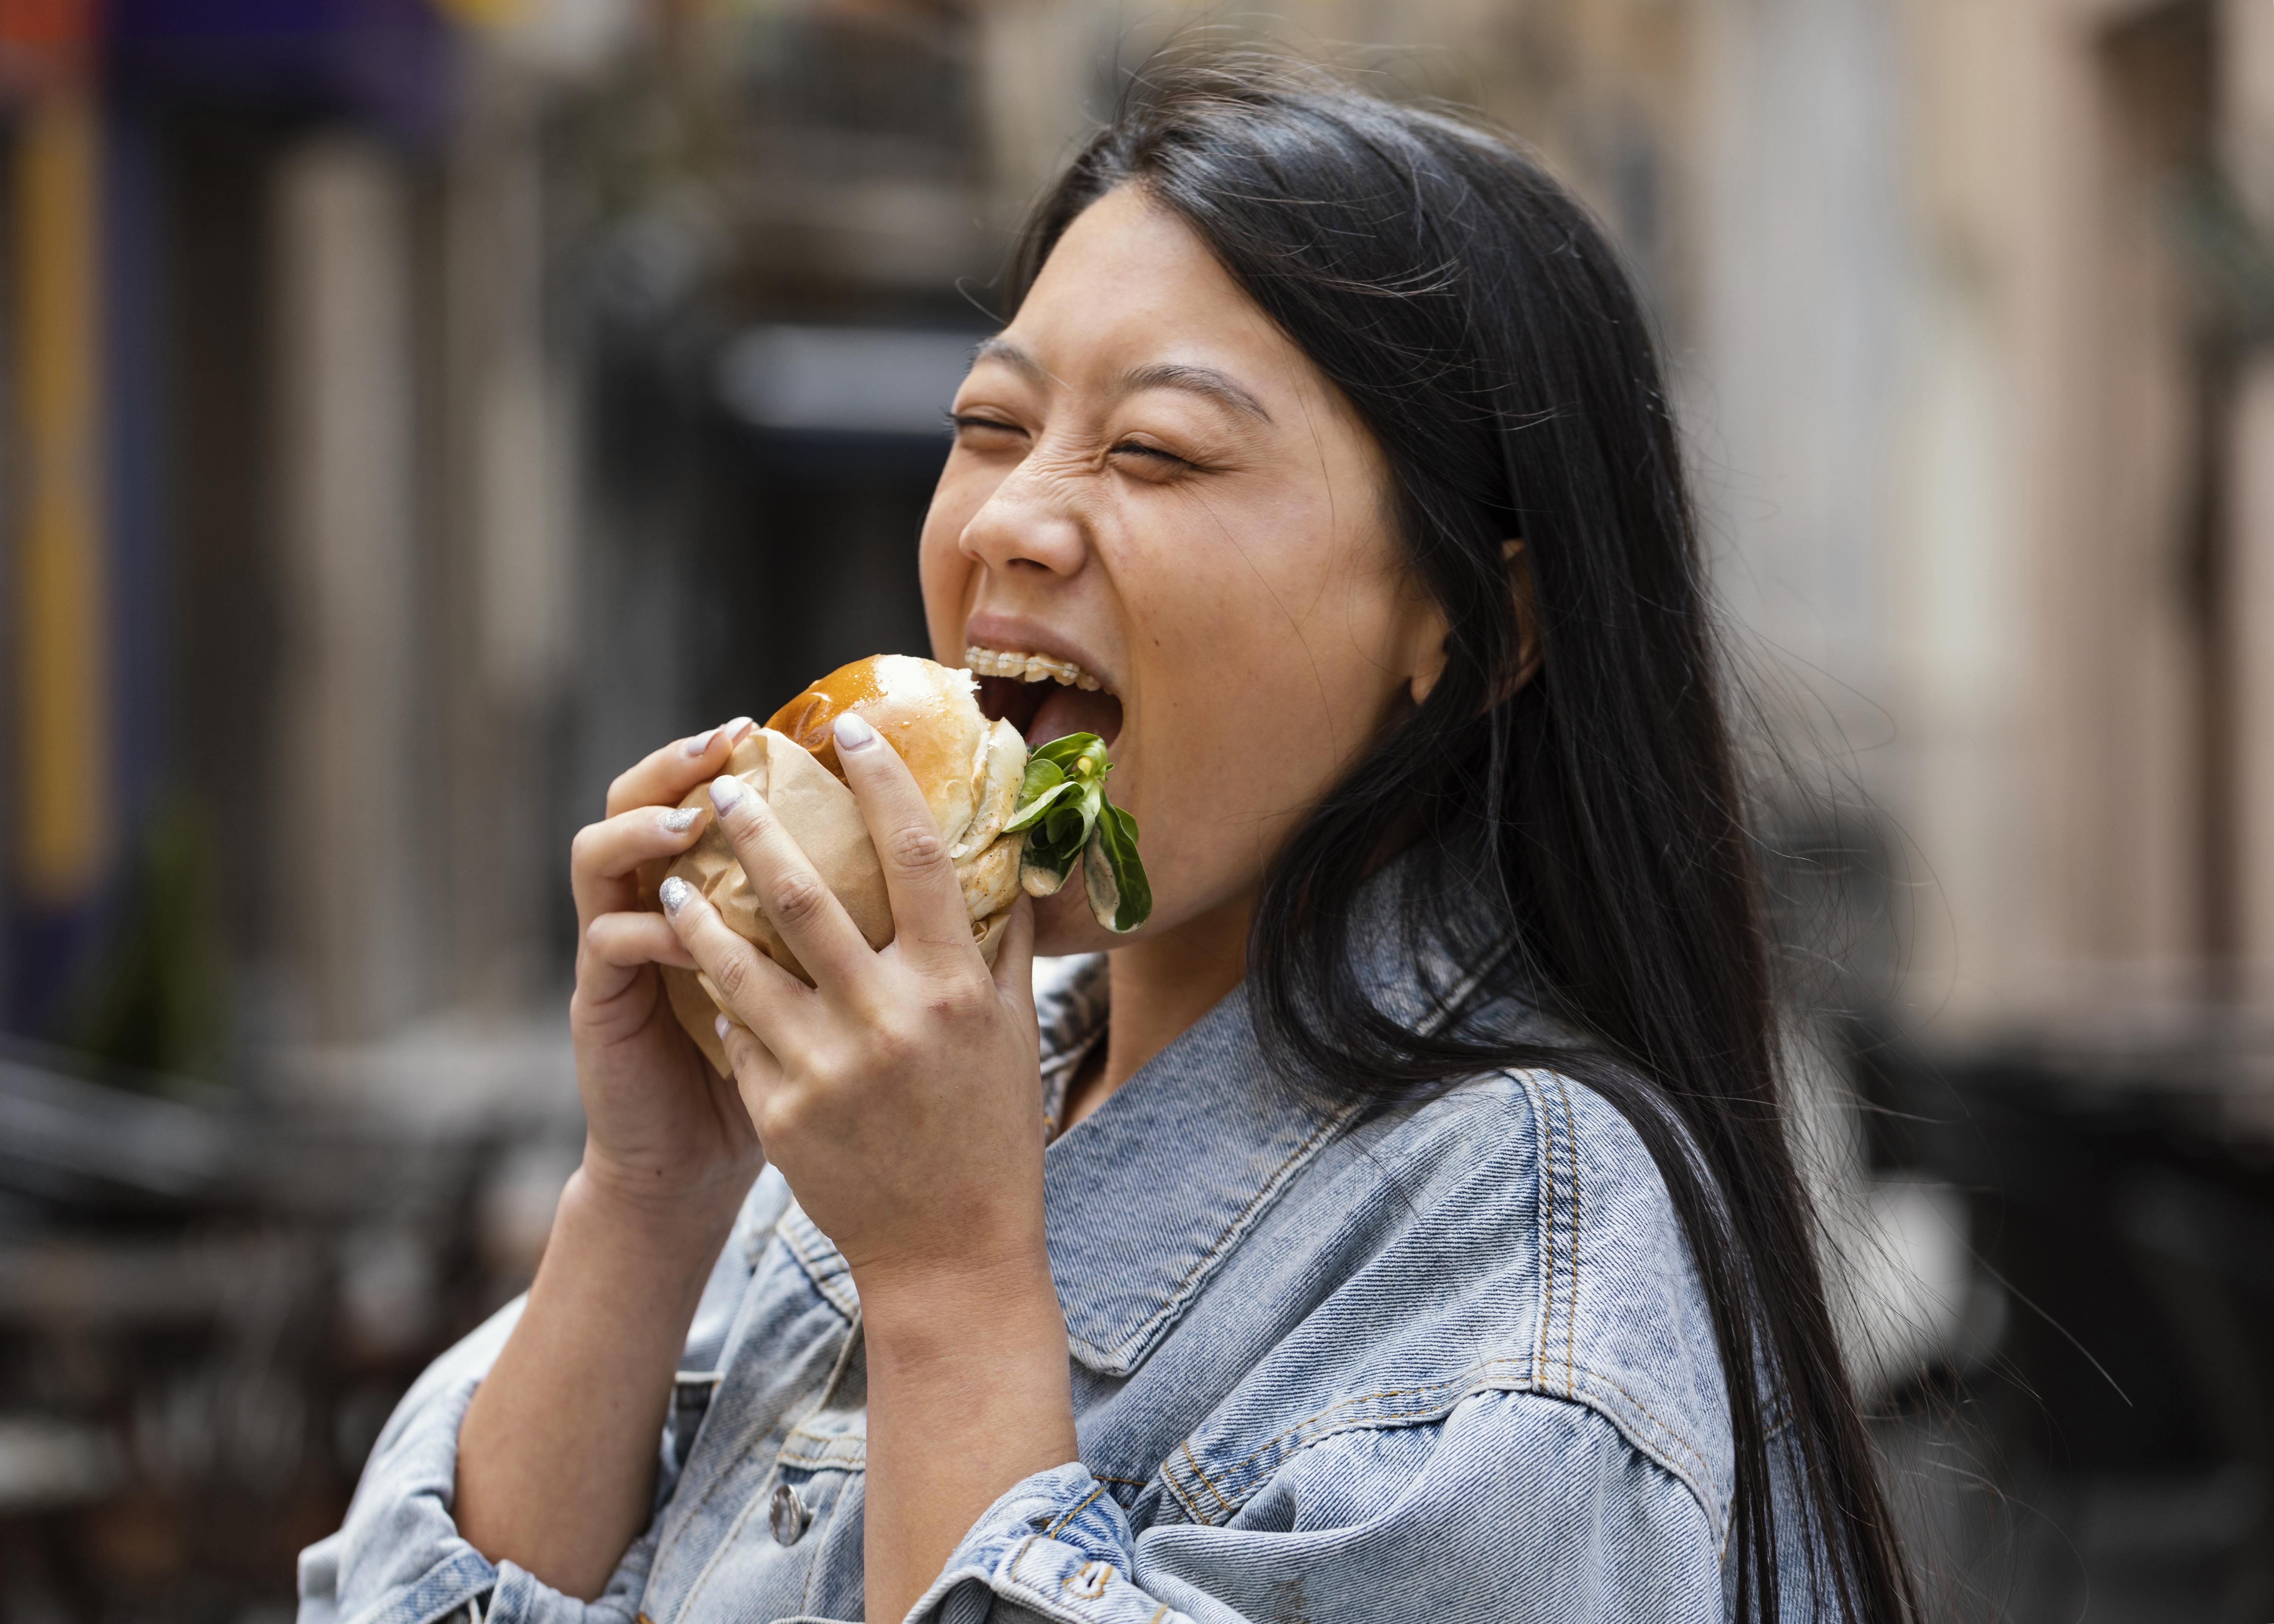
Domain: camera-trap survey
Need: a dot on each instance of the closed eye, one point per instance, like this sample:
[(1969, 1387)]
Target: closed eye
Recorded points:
[(1138, 447), (959, 421)]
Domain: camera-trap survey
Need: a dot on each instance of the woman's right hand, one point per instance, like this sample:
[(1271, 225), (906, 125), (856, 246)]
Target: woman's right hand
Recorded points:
[(662, 1131), (556, 1457)]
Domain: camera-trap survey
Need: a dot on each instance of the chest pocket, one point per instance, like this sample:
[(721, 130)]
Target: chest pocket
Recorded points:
[(820, 1457), (691, 1393)]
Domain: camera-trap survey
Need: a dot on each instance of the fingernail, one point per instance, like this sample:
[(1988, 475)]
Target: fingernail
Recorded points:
[(674, 893), (725, 793), (678, 820), (701, 742), (737, 728), (853, 734), (722, 1027)]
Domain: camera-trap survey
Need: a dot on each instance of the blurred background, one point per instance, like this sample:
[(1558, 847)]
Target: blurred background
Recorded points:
[(412, 412)]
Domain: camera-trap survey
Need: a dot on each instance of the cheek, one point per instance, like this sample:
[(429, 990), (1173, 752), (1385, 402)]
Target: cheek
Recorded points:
[(945, 571), (1292, 635), (1254, 694)]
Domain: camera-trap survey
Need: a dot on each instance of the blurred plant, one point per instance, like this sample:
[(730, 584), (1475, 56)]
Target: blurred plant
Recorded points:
[(158, 999)]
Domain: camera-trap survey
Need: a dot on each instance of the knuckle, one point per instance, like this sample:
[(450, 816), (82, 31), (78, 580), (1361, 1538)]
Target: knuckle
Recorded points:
[(583, 846), (893, 1041), (915, 848), (798, 897), (733, 976), (780, 1114), (959, 1001)]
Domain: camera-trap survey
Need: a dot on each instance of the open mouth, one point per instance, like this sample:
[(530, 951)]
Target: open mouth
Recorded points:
[(1043, 697)]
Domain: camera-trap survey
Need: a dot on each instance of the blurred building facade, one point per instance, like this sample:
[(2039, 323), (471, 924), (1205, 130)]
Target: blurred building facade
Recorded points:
[(335, 578), (411, 413)]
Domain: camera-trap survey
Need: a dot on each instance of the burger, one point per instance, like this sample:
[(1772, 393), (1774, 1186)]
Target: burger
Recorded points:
[(1012, 820)]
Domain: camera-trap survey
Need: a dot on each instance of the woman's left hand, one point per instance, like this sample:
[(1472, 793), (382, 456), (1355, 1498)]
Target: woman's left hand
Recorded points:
[(900, 1094)]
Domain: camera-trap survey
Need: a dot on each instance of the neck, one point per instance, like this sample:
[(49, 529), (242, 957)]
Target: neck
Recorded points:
[(1161, 985)]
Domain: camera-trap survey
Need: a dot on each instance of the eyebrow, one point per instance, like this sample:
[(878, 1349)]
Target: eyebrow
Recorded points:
[(1199, 380), (1206, 381), (1017, 359)]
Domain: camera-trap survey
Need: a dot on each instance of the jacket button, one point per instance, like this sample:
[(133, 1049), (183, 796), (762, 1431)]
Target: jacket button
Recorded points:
[(788, 1516)]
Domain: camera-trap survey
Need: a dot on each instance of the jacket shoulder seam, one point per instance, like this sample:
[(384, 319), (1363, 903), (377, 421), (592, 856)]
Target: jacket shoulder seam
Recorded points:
[(1216, 1498)]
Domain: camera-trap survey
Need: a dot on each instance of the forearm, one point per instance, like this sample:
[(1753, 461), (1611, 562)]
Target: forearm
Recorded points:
[(556, 1459), (969, 1393)]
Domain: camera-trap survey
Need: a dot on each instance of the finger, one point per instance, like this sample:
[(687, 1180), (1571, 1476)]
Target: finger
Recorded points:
[(789, 891), (603, 857), (749, 1062), (756, 1071), (931, 923), (664, 778), (627, 940), (1014, 961), (758, 992)]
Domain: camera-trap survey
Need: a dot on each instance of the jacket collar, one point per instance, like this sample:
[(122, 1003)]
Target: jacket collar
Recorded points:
[(1146, 1197)]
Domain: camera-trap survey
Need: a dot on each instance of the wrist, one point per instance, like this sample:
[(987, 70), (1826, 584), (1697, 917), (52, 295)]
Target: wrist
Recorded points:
[(990, 1309), (638, 1215)]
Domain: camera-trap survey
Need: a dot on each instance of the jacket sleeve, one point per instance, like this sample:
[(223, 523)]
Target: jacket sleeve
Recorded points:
[(1514, 1510), (398, 1558)]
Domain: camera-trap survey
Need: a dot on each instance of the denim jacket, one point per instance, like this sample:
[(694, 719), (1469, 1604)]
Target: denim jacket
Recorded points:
[(1451, 1362)]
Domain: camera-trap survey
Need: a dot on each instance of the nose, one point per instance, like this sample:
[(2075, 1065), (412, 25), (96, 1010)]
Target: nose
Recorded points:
[(1028, 523)]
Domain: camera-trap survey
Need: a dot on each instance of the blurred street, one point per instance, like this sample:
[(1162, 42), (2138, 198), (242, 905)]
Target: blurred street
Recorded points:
[(413, 412)]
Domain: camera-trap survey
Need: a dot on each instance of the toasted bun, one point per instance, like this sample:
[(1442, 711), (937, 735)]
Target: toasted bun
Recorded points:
[(928, 712), (968, 768)]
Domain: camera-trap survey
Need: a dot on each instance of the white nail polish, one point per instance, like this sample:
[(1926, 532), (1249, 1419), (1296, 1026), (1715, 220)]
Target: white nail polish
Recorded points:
[(853, 733), (678, 820), (674, 893), (701, 742), (722, 1027), (726, 793)]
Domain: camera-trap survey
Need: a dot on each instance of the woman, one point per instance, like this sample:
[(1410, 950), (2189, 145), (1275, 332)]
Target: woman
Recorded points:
[(1411, 1192)]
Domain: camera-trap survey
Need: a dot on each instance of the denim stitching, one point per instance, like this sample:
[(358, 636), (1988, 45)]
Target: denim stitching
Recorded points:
[(1697, 1460), (824, 1265), (1447, 1008), (1269, 1186), (1571, 1151), (811, 1451), (1360, 1399), (1036, 1600), (1103, 1579), (1059, 1527), (1187, 1447), (1695, 1469), (1701, 1484), (1193, 1513), (774, 1473), (1548, 1196)]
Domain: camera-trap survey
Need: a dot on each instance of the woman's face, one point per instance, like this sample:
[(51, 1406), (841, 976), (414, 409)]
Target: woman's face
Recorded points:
[(1151, 484)]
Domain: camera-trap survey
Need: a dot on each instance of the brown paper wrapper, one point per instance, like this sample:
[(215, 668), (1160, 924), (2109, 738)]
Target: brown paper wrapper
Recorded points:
[(820, 814)]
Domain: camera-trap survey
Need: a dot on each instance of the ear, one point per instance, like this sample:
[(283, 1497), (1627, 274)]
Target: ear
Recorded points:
[(1429, 662), (1526, 595)]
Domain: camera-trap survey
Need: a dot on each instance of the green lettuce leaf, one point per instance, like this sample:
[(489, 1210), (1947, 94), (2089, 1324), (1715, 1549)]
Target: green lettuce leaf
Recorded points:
[(1063, 811)]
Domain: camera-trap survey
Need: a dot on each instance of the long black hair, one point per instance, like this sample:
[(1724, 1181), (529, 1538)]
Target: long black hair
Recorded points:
[(1483, 328)]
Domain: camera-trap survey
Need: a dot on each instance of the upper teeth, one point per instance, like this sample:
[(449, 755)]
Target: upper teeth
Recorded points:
[(1027, 667)]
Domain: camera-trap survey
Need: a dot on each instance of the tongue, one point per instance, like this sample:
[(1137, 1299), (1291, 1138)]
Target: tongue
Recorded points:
[(1075, 711)]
